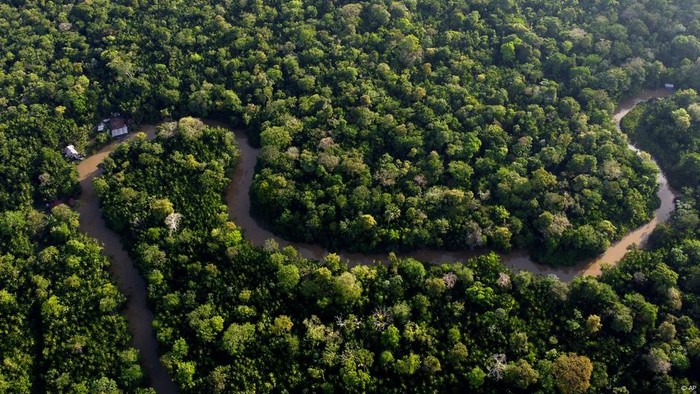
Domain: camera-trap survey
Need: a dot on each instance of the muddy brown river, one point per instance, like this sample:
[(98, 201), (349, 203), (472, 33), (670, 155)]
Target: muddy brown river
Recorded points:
[(238, 201), (237, 196), (127, 276)]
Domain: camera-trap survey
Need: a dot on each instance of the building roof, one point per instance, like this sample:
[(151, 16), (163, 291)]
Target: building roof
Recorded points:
[(120, 131), (71, 151), (117, 123)]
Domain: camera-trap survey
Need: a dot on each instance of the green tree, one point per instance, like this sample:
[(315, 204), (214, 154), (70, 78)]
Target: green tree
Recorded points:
[(288, 276), (572, 373), (520, 374), (237, 337)]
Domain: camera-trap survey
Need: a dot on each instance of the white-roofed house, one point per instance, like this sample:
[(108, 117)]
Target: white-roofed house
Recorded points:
[(72, 153), (118, 127)]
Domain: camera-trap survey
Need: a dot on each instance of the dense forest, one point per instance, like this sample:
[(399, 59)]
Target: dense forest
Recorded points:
[(383, 125), (60, 319), (669, 130), (231, 317)]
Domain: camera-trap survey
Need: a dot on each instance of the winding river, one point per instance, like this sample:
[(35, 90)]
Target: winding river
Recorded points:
[(133, 285), (127, 276), (238, 201)]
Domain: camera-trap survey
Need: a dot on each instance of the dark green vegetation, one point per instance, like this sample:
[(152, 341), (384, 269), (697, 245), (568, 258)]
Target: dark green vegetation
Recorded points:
[(234, 317), (390, 125), (416, 128), (670, 131), (32, 167), (193, 151), (384, 125), (60, 320)]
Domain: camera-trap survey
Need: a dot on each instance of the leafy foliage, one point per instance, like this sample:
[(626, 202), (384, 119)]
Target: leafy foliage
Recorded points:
[(666, 129), (232, 317), (61, 324), (383, 125)]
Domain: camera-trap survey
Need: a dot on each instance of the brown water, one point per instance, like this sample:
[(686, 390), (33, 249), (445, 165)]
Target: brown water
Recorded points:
[(661, 215), (238, 200), (133, 285), (123, 270)]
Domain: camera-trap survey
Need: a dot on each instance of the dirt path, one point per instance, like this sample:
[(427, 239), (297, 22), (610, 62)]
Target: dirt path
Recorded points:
[(127, 276)]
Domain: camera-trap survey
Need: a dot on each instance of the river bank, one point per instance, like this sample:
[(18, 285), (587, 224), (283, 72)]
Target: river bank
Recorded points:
[(125, 273), (132, 284), (238, 202)]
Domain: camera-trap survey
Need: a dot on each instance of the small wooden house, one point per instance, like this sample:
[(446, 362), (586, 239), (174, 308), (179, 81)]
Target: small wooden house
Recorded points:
[(118, 127)]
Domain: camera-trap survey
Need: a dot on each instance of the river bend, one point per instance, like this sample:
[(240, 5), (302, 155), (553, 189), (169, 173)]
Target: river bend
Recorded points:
[(132, 284), (238, 201), (127, 276)]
